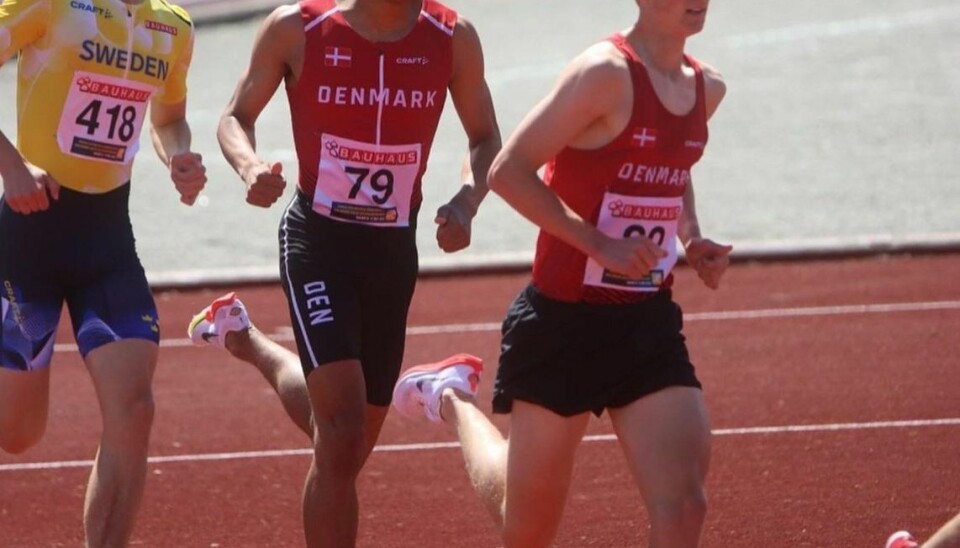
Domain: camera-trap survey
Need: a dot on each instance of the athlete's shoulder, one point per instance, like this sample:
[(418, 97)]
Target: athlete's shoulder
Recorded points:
[(288, 17), (602, 63), (715, 87), (176, 10), (170, 18), (710, 73), (444, 18), (22, 22), (595, 82), (9, 8), (286, 26), (24, 12)]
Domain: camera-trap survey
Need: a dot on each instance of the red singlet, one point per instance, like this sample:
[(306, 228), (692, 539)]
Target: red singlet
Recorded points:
[(365, 113), (633, 185)]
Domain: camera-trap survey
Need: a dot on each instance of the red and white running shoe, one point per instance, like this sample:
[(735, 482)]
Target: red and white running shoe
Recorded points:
[(224, 315), (418, 391)]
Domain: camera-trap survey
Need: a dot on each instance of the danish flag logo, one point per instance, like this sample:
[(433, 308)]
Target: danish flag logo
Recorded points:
[(644, 137), (337, 57)]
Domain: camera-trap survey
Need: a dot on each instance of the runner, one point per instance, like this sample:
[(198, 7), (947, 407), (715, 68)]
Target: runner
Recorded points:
[(366, 81), (88, 72), (597, 329)]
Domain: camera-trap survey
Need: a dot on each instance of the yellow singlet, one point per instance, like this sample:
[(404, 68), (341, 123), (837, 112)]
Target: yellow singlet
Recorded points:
[(88, 70)]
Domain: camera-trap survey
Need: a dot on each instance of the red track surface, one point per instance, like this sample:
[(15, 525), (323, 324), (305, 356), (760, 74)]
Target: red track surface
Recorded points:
[(796, 365)]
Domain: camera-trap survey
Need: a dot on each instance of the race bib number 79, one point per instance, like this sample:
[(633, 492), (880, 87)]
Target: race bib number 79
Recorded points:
[(631, 216), (102, 118), (366, 183)]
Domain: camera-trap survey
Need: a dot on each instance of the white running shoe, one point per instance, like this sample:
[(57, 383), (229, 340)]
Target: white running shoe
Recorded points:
[(418, 391), (211, 325)]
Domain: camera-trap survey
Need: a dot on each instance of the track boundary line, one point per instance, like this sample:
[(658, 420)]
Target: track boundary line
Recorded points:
[(408, 447), (757, 251), (731, 315)]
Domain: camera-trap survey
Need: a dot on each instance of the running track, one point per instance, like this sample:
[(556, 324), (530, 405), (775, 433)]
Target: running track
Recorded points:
[(833, 390)]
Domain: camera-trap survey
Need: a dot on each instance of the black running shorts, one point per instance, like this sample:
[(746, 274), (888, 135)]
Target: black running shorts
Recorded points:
[(348, 287), (576, 357), (80, 250)]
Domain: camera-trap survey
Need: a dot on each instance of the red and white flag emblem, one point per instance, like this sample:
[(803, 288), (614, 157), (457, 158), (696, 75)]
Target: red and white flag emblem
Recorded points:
[(644, 137), (337, 57)]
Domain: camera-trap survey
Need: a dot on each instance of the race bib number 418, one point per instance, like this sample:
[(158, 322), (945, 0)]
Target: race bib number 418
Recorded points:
[(102, 118)]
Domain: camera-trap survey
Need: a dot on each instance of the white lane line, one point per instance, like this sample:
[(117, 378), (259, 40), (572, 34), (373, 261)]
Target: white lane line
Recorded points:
[(280, 453), (768, 313), (823, 311)]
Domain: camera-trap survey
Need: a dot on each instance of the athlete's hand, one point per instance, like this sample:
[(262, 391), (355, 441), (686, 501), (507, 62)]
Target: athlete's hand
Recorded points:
[(26, 190), (189, 175), (709, 259), (453, 227), (632, 257), (265, 184)]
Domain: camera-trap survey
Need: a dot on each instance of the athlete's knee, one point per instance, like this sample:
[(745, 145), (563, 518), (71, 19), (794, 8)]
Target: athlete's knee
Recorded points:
[(682, 513), (340, 449), (19, 435), (21, 429), (133, 416)]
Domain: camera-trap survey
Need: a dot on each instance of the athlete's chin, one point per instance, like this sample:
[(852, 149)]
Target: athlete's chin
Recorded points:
[(694, 20), (693, 27)]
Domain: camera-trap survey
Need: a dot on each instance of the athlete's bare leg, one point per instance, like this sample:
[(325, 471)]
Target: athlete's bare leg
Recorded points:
[(346, 430), (484, 450), (122, 374), (666, 439), (280, 367), (947, 536), (24, 401), (523, 482)]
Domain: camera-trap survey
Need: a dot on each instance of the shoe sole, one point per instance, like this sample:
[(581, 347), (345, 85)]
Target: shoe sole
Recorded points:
[(470, 360)]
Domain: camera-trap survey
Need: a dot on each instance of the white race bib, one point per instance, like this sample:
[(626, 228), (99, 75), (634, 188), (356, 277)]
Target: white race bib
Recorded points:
[(628, 216), (366, 183), (102, 117)]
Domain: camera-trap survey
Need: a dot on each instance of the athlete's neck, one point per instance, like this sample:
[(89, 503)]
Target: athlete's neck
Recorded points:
[(657, 50), (381, 20)]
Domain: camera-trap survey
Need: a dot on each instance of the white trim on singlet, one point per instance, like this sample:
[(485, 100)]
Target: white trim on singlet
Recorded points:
[(446, 30), (293, 294), (380, 103), (320, 19)]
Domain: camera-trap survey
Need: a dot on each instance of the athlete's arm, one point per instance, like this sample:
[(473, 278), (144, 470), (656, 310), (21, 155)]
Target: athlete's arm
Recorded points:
[(277, 55), (171, 139), (707, 257), (170, 131), (22, 22), (715, 88), (25, 185), (471, 97), (587, 108)]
